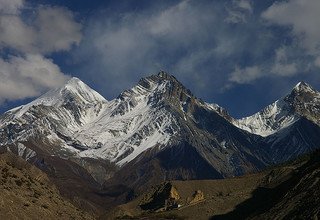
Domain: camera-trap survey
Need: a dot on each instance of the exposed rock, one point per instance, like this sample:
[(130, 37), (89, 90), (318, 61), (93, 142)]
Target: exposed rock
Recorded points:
[(198, 196), (163, 197)]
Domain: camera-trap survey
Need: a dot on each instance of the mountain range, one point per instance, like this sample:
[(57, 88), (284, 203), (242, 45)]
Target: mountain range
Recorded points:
[(156, 131)]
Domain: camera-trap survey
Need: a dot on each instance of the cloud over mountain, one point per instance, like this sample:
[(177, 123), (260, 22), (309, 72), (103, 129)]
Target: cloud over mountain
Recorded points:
[(28, 34)]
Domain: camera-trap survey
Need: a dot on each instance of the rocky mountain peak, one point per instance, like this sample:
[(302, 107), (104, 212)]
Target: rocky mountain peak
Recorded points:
[(165, 75), (302, 93), (302, 86), (163, 89), (305, 101), (161, 85)]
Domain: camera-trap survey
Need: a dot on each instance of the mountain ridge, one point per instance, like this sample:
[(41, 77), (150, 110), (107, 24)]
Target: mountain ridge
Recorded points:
[(161, 74), (152, 125)]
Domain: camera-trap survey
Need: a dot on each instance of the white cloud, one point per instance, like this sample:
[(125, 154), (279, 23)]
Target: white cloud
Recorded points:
[(245, 75), (53, 29), (120, 48), (284, 69), (245, 5), (25, 77), (10, 6), (181, 22), (239, 11), (49, 29), (303, 16), (281, 65), (56, 29), (16, 34)]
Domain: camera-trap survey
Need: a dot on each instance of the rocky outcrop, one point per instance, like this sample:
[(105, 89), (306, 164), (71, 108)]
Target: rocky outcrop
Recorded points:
[(164, 197), (198, 196)]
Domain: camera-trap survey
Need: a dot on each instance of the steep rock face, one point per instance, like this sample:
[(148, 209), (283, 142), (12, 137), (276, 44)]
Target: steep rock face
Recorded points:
[(301, 197), (289, 191), (305, 101), (301, 137)]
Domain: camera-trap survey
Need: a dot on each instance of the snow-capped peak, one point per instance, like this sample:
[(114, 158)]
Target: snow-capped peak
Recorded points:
[(76, 86), (73, 81), (155, 87), (302, 101), (73, 91), (132, 123)]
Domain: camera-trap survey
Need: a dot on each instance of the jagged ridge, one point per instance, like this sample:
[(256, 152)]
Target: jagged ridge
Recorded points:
[(159, 115)]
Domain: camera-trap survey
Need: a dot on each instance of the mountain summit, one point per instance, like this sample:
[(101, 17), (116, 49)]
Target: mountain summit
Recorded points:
[(302, 101), (74, 92), (302, 86), (290, 126)]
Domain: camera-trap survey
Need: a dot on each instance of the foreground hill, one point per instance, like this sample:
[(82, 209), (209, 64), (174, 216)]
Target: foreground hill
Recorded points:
[(27, 193), (289, 191)]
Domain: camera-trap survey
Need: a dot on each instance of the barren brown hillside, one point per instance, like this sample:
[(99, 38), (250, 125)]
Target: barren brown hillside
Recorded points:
[(26, 193)]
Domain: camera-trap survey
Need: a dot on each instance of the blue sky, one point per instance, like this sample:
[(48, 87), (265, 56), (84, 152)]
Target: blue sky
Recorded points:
[(240, 54)]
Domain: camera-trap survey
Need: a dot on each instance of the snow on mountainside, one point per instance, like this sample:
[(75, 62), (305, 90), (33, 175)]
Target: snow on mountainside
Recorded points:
[(74, 89), (270, 120), (80, 120), (53, 116), (302, 101), (139, 119), (158, 113), (83, 124), (132, 123)]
